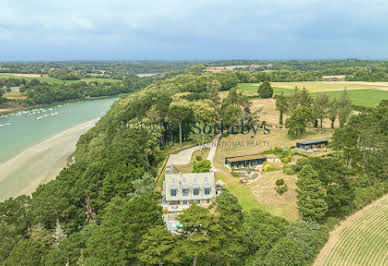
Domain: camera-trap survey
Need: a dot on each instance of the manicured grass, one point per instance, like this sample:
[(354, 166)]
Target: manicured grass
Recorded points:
[(370, 96), (361, 97), (245, 196)]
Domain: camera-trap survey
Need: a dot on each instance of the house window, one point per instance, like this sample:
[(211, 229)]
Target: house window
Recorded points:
[(207, 190), (185, 202), (207, 201), (196, 191), (173, 192), (198, 201), (185, 192)]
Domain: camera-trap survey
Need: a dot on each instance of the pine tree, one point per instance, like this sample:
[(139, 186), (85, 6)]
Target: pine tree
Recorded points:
[(159, 246), (311, 195), (197, 232)]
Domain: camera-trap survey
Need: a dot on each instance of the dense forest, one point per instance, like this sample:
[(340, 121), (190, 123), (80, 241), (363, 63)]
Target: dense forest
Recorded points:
[(102, 210), (365, 70), (108, 68)]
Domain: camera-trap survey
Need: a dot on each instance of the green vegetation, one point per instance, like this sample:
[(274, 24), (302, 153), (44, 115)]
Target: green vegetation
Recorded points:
[(102, 210), (369, 96), (202, 166), (265, 90), (244, 195), (64, 74)]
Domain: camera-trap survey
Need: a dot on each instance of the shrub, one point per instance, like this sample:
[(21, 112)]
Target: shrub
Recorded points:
[(202, 166), (280, 182), (198, 157), (289, 171), (281, 189)]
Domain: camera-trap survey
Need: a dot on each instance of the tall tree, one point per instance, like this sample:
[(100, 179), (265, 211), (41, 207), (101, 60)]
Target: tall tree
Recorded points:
[(29, 252), (159, 246), (197, 231), (281, 106), (320, 108), (311, 195), (213, 89), (333, 112), (177, 113), (344, 108), (298, 121), (231, 234), (346, 140), (265, 90), (114, 242)]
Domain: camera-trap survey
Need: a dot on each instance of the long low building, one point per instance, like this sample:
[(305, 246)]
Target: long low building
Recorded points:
[(181, 190), (309, 145), (245, 160)]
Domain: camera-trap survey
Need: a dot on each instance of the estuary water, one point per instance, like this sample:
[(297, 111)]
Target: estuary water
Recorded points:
[(36, 144)]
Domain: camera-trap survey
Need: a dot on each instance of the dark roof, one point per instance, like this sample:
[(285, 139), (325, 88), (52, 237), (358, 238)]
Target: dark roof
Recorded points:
[(312, 141), (245, 158)]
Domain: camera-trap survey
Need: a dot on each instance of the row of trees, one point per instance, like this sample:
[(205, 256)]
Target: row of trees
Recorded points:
[(65, 74), (303, 110), (352, 176)]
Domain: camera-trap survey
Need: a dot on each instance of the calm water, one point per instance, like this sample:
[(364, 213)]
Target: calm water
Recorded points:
[(21, 130)]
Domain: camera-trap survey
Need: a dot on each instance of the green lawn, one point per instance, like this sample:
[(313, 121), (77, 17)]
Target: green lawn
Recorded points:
[(317, 86), (365, 97), (245, 196)]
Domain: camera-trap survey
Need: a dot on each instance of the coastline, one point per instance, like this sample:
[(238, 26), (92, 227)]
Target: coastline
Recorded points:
[(39, 163), (6, 111)]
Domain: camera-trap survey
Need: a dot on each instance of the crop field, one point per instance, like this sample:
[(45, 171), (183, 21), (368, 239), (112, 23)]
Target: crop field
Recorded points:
[(362, 239), (51, 80), (362, 93)]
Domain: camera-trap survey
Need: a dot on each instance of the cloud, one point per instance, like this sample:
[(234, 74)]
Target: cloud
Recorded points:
[(192, 29)]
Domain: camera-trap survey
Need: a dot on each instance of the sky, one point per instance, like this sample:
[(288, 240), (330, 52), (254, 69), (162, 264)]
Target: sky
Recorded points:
[(49, 30)]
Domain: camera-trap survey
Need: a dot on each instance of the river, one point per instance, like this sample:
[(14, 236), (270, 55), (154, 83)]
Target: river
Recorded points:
[(36, 144)]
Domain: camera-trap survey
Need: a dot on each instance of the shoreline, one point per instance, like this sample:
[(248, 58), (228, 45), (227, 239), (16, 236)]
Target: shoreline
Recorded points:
[(39, 163), (7, 111)]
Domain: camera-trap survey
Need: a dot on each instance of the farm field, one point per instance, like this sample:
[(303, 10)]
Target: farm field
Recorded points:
[(362, 93), (362, 239), (50, 80)]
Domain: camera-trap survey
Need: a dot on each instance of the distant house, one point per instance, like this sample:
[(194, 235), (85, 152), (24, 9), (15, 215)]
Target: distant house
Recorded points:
[(15, 89), (245, 160), (310, 145), (181, 190)]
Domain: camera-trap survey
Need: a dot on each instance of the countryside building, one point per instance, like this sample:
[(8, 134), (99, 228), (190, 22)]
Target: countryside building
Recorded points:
[(245, 161), (181, 190), (310, 145)]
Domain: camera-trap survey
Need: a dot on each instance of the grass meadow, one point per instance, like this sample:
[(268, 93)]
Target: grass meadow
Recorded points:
[(362, 93)]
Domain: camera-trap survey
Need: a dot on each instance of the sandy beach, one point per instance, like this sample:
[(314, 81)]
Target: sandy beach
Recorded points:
[(40, 163)]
